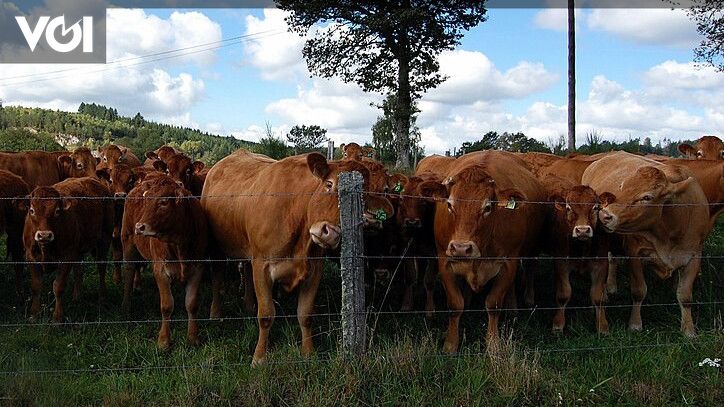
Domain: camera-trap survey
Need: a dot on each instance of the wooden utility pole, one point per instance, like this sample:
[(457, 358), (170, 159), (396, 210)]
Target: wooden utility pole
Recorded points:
[(571, 76)]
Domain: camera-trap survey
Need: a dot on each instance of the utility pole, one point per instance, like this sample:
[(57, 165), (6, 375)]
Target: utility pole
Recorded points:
[(571, 76)]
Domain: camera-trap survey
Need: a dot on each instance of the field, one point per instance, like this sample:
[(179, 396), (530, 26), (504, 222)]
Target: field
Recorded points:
[(118, 363)]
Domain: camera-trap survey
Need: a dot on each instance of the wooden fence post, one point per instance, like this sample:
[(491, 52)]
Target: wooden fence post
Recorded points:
[(354, 329), (330, 150)]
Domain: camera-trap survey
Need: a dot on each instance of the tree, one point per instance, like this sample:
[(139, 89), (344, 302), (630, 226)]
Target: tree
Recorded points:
[(709, 19), (388, 46), (271, 146), (383, 133), (306, 138), (571, 76)]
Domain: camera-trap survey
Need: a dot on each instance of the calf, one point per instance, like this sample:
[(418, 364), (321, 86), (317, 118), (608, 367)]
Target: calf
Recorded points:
[(573, 236), (113, 155), (164, 224), (354, 151), (180, 167), (706, 148), (40, 168), (160, 154), (64, 222), (12, 217)]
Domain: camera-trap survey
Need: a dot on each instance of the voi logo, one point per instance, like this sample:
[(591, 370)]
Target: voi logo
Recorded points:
[(82, 32)]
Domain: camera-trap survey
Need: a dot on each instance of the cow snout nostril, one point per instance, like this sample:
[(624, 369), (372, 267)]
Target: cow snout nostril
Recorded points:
[(583, 231), (120, 194), (461, 249), (140, 227), (414, 222), (44, 236)]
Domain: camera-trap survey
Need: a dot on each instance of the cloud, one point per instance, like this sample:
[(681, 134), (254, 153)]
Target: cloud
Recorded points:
[(654, 26), (276, 52), (555, 19)]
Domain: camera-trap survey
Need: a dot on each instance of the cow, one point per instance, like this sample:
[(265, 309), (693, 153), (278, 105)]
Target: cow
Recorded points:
[(663, 215), (40, 168), (164, 224), (121, 180), (706, 148), (64, 222), (575, 239), (12, 219), (536, 162), (181, 168), (486, 216), (160, 154), (436, 164), (354, 151), (113, 154), (283, 215)]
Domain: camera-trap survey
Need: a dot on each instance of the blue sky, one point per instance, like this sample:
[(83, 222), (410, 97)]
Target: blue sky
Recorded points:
[(634, 73)]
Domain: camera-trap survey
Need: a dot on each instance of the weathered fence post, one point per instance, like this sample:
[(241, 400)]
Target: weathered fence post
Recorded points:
[(354, 329), (330, 150)]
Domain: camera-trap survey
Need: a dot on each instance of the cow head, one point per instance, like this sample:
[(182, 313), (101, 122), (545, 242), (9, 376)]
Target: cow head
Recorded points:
[(162, 153), (79, 163), (163, 207), (638, 203), (351, 151), (180, 168), (483, 220), (578, 207), (45, 207), (412, 205), (706, 148), (323, 209), (112, 155), (121, 179)]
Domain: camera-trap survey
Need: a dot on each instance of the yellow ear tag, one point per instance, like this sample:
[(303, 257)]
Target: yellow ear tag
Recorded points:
[(510, 204)]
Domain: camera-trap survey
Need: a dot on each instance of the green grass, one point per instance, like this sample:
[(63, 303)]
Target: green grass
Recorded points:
[(404, 365)]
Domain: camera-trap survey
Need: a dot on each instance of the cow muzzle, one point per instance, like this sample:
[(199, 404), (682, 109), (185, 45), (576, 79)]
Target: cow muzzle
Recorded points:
[(144, 229), (120, 195), (371, 222), (609, 221), (462, 249), (325, 234), (583, 232), (44, 236), (412, 223)]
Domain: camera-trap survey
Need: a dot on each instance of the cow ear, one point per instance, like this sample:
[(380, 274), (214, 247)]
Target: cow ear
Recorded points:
[(687, 150), (198, 166), (103, 174), (398, 182), (558, 202), (66, 162), (607, 198), (159, 165), (433, 189), (511, 198), (68, 203), (151, 155), (678, 188), (318, 165), (22, 203), (343, 147), (139, 176)]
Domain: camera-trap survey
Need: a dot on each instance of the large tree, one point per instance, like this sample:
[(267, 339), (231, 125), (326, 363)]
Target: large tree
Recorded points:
[(709, 18), (383, 133), (306, 138), (388, 46)]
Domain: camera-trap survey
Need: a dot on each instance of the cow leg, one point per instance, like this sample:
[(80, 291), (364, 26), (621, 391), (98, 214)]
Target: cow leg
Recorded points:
[(305, 305), (101, 266), (137, 279), (15, 248), (638, 293), (192, 304), (429, 280), (504, 281), (410, 283), (599, 270), (36, 286), (247, 276), (455, 303), (563, 293), (117, 254), (611, 283), (164, 291), (217, 284), (528, 283), (265, 308), (77, 280), (684, 295), (59, 288)]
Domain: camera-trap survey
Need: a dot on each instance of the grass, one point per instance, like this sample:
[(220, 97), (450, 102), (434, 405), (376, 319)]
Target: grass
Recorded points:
[(404, 365)]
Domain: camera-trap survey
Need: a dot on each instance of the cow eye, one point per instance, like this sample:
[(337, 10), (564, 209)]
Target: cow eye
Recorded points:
[(487, 208), (344, 155), (31, 211), (79, 166), (568, 208), (57, 211), (329, 185), (596, 207), (449, 206), (105, 159), (647, 198), (163, 202), (699, 153)]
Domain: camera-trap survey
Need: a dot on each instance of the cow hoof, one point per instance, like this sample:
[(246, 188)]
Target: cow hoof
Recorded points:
[(635, 327), (611, 289), (195, 342), (258, 361), (164, 345), (449, 348), (406, 308), (557, 330), (215, 314), (691, 334)]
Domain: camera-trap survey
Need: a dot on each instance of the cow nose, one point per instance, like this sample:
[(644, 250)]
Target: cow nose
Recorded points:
[(413, 222), (140, 228), (120, 194), (605, 216), (325, 234), (44, 236), (461, 249), (584, 231)]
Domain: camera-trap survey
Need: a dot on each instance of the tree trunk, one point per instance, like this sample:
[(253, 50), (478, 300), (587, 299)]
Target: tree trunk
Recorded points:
[(571, 76), (402, 113)]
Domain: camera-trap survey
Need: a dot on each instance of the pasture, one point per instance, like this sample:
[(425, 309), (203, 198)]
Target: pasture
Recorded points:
[(105, 360)]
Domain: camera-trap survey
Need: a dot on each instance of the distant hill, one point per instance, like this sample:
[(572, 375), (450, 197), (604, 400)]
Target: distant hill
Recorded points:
[(23, 128)]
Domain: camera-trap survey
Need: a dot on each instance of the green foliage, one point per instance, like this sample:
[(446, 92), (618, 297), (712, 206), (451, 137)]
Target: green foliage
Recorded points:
[(517, 142), (91, 127), (383, 133), (306, 138), (709, 20), (272, 145), (24, 139)]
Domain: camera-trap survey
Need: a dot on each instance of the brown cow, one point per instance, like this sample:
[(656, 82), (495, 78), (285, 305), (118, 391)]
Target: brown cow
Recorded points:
[(706, 148), (40, 168), (662, 212), (12, 218), (62, 226), (536, 162), (573, 231), (354, 151), (164, 224), (436, 164), (160, 154), (113, 154), (180, 167), (483, 217), (291, 213)]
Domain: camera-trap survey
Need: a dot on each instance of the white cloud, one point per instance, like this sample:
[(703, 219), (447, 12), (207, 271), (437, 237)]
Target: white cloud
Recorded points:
[(276, 52), (555, 19), (689, 76), (656, 26)]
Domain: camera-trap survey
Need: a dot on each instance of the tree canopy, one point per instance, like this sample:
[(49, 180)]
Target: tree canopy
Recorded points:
[(709, 18), (306, 138)]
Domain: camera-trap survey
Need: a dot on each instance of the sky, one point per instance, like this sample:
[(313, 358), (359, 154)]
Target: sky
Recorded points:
[(241, 69)]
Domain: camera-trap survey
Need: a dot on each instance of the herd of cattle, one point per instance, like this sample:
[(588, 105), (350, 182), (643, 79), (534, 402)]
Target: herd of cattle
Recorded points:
[(478, 216)]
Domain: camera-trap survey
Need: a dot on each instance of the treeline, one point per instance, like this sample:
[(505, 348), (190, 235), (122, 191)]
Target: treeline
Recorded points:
[(23, 128)]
